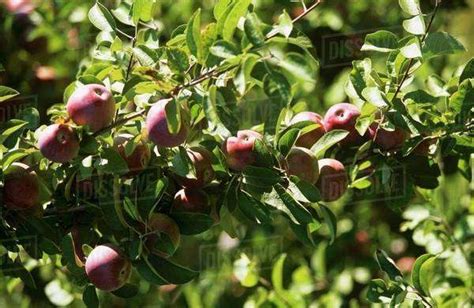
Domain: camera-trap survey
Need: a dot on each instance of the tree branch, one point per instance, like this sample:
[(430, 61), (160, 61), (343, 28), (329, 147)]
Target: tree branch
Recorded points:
[(205, 76)]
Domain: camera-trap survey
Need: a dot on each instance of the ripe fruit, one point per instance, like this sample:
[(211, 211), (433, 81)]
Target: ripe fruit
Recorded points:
[(201, 159), (405, 264), (332, 181), (20, 188), (91, 105), (19, 6), (302, 163), (343, 116), (59, 143), (191, 200), (138, 159), (239, 150), (308, 139), (107, 267), (164, 237), (157, 127), (387, 140)]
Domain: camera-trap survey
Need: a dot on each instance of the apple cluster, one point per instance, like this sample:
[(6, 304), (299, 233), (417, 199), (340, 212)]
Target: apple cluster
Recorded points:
[(92, 106)]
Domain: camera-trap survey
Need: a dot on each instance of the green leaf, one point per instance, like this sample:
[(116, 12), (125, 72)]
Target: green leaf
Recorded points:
[(411, 7), (285, 24), (374, 96), (253, 209), (193, 34), (387, 265), (89, 297), (143, 10), (101, 18), (220, 8), (299, 212), (468, 71), (330, 220), (112, 162), (177, 59), (277, 88), (192, 223), (441, 43), (127, 291), (288, 140), (277, 274), (145, 55), (230, 24), (378, 292), (173, 116), (131, 209), (426, 274), (412, 49), (381, 41), (212, 116), (415, 275), (224, 49), (260, 177), (328, 140), (415, 25), (7, 93), (253, 31), (172, 272)]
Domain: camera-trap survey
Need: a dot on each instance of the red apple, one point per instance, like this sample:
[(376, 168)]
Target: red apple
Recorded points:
[(385, 139), (343, 116), (239, 150), (332, 182), (302, 163), (405, 264), (191, 200), (158, 226), (308, 139), (92, 105), (20, 188), (138, 160), (108, 268), (201, 159), (157, 127), (59, 143), (19, 6)]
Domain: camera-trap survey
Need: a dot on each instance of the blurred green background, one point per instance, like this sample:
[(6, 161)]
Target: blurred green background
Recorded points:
[(41, 53)]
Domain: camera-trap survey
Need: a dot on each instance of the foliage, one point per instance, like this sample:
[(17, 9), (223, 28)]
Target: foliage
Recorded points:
[(207, 69)]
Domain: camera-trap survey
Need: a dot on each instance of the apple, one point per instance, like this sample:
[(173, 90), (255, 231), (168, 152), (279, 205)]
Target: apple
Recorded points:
[(405, 264), (20, 188), (157, 127), (302, 163), (138, 160), (201, 159), (191, 200), (160, 225), (92, 105), (107, 267), (308, 139), (239, 151), (332, 182), (343, 116), (24, 7), (385, 139), (59, 143)]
